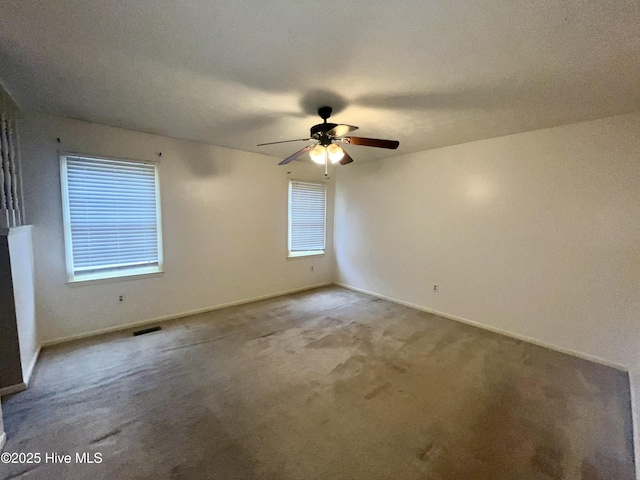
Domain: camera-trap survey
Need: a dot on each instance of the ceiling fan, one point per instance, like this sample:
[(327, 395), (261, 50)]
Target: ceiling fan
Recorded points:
[(325, 149)]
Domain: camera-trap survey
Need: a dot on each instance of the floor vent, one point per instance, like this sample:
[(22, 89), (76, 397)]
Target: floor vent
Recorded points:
[(146, 330)]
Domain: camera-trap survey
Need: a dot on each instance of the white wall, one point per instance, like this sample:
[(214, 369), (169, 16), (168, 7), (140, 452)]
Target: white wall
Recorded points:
[(535, 234), (224, 215), (22, 273)]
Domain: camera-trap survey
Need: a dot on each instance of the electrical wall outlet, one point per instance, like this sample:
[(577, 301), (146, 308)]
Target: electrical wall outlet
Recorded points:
[(121, 298), (436, 288)]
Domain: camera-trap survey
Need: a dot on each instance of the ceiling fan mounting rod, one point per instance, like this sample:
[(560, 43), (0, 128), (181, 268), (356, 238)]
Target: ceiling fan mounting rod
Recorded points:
[(325, 112)]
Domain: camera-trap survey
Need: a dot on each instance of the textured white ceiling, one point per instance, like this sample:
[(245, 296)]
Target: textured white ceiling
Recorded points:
[(237, 73)]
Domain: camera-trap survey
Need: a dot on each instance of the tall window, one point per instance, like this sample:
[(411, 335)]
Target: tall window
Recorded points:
[(111, 217), (307, 217)]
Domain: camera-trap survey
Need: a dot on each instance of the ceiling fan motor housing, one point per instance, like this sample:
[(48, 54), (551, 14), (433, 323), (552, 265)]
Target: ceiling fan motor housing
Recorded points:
[(319, 132)]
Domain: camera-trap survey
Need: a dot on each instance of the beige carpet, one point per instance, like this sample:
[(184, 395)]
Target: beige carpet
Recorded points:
[(326, 384)]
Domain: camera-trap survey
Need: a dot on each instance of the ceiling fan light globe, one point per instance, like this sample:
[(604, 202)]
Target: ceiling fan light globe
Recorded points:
[(317, 154), (335, 153)]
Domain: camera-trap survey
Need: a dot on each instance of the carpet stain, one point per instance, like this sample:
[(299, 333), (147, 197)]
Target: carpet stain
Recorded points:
[(602, 467), (398, 368), (201, 342), (426, 452), (376, 391), (104, 437), (548, 461), (265, 335)]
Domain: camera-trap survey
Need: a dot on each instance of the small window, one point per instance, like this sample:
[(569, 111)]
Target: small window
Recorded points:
[(111, 217), (307, 208)]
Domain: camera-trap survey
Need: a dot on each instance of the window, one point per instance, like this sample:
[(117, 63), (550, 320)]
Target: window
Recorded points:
[(111, 217), (307, 206)]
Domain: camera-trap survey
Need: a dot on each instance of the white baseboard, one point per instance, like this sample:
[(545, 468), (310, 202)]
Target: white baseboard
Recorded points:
[(499, 331), (165, 318), (11, 389), (32, 366), (3, 440)]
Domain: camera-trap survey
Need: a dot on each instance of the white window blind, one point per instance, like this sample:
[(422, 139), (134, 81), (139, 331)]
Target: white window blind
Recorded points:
[(112, 217), (307, 208)]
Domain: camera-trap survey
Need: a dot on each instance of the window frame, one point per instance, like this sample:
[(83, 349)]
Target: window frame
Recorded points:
[(74, 278), (305, 253)]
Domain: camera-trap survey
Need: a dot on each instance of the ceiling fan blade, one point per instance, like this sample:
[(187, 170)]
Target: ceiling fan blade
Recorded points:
[(370, 142), (291, 158), (346, 159), (284, 141), (340, 130)]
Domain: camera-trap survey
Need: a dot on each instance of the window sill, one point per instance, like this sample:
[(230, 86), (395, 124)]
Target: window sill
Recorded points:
[(99, 278), (312, 253)]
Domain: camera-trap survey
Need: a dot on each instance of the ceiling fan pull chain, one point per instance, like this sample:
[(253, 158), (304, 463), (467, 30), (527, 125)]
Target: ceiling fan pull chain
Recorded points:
[(326, 163)]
